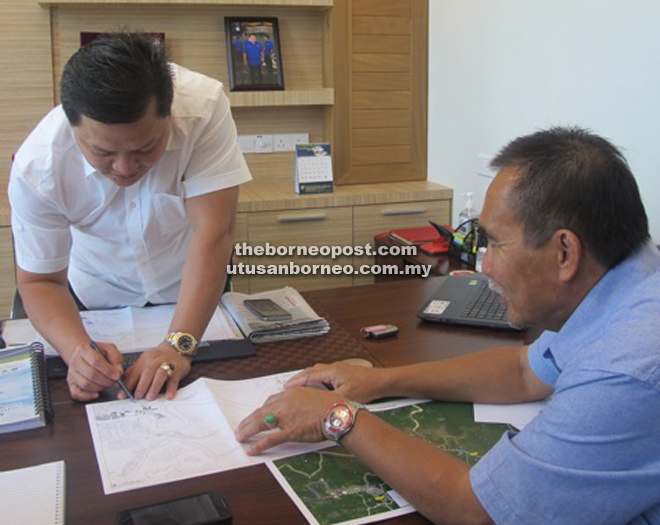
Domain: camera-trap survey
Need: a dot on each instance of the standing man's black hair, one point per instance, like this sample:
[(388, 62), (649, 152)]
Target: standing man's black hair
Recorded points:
[(114, 78), (570, 178)]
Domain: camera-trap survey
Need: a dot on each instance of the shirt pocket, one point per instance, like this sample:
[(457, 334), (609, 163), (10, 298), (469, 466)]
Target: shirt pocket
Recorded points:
[(168, 219)]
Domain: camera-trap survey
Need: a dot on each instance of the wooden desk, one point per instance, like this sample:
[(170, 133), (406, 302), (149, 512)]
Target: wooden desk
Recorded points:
[(253, 495)]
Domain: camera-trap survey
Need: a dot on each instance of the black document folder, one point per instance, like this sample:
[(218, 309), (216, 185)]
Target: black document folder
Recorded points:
[(208, 351)]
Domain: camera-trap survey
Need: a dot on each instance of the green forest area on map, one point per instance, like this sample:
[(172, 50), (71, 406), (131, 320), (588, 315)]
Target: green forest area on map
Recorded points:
[(335, 486)]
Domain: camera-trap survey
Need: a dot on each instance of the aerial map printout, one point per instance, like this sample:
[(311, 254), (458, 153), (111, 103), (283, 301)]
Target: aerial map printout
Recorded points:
[(331, 487)]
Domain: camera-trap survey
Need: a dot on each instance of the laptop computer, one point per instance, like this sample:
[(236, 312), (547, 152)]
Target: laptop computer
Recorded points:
[(466, 300)]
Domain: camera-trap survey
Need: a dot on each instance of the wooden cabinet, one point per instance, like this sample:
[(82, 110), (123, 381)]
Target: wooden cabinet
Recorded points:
[(349, 217), (375, 219), (380, 74), (318, 227)]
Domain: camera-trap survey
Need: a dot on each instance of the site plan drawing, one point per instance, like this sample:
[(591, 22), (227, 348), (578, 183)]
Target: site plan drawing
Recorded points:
[(331, 487), (145, 443)]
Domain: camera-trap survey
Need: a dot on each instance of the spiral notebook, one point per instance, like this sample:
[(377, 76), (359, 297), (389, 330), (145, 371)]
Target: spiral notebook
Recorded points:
[(24, 397), (34, 495)]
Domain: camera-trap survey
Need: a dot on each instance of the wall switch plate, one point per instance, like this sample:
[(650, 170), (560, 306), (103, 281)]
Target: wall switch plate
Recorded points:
[(483, 166), (263, 144), (256, 143)]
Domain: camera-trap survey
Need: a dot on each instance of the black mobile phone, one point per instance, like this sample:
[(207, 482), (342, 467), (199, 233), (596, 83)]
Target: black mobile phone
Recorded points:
[(201, 509), (267, 310)]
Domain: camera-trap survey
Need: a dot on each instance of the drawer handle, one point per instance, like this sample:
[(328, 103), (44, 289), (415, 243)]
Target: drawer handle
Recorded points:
[(302, 218), (409, 211)]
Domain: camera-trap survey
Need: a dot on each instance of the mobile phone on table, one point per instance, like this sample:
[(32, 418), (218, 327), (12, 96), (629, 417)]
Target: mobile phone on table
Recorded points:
[(267, 309), (201, 509)]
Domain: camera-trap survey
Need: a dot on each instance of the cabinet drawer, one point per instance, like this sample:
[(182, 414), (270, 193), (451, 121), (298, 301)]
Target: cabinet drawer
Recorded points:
[(371, 220), (312, 227)]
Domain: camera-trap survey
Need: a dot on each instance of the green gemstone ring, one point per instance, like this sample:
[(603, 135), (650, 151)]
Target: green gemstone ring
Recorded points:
[(270, 420)]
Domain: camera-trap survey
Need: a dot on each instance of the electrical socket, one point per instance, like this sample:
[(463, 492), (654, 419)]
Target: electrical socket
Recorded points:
[(288, 141), (271, 143), (281, 143)]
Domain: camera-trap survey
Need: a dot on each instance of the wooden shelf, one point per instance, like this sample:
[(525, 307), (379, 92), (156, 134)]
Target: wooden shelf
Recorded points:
[(263, 196), (295, 97), (272, 3)]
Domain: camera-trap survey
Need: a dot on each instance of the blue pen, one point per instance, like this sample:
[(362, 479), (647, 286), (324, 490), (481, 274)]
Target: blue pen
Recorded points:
[(119, 381)]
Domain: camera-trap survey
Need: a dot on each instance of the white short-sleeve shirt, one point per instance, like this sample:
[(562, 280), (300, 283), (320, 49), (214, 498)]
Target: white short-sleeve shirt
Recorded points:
[(123, 246)]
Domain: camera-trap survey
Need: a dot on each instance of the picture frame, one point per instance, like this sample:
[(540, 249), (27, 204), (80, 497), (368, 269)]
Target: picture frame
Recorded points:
[(254, 54)]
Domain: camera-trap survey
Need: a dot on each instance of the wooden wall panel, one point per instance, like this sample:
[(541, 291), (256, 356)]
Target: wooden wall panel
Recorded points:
[(376, 137), (26, 84), (383, 120), (382, 8), (370, 62), (384, 44), (7, 272), (384, 100)]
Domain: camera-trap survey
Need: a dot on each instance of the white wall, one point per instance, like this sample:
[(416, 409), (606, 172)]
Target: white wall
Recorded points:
[(503, 68)]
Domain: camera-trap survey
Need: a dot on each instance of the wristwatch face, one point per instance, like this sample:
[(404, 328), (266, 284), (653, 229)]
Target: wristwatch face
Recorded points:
[(340, 419), (183, 342)]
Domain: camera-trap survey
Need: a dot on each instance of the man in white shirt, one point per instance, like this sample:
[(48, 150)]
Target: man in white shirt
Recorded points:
[(126, 194)]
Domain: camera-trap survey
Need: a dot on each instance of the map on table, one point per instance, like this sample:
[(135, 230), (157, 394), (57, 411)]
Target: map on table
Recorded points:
[(332, 487)]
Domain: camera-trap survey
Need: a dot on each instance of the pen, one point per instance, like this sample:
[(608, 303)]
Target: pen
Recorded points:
[(119, 381)]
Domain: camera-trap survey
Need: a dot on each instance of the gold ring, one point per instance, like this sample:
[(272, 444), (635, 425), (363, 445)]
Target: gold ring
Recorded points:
[(169, 368)]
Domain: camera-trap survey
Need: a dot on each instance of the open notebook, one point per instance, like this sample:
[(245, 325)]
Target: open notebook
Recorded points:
[(34, 495)]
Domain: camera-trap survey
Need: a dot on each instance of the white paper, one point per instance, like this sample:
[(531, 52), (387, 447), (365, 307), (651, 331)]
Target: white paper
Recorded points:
[(33, 495), (146, 443), (517, 415), (129, 328)]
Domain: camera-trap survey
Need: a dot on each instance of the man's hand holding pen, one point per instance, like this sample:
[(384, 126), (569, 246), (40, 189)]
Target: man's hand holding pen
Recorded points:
[(91, 371)]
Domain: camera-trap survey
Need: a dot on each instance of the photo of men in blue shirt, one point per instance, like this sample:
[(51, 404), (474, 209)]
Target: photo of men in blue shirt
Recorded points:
[(253, 45), (253, 58), (268, 54)]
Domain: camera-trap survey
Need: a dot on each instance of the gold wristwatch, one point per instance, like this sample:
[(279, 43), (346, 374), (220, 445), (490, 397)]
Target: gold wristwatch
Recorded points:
[(183, 342)]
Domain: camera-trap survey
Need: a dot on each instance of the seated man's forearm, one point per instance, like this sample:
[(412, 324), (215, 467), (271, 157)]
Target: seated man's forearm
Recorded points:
[(498, 375)]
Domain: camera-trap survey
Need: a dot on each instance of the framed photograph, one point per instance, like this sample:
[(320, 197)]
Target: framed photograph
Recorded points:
[(254, 54)]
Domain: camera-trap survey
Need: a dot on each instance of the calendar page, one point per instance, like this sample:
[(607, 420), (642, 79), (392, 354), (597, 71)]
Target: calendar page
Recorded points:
[(313, 168)]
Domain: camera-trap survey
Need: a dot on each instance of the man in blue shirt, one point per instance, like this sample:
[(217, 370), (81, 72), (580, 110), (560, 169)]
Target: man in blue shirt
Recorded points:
[(253, 58), (569, 248), (237, 51), (268, 55)]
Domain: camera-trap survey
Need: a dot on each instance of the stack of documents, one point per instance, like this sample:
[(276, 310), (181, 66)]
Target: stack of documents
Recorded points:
[(304, 322)]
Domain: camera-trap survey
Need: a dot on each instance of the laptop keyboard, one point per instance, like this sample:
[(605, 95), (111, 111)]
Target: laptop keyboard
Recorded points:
[(485, 305)]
